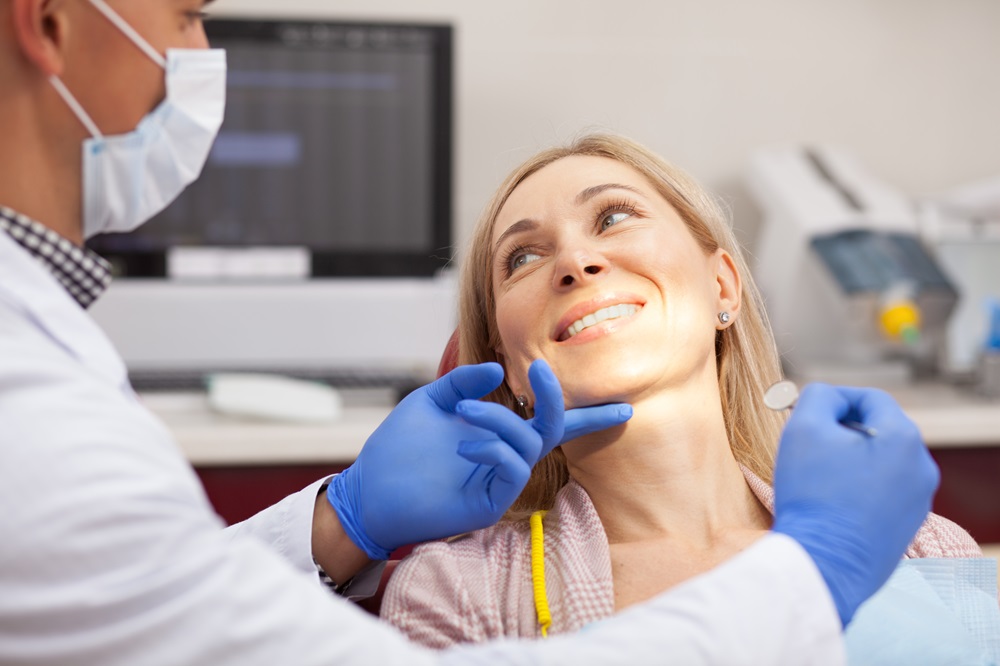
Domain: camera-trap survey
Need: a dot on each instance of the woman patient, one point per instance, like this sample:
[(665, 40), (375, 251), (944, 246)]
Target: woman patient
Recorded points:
[(625, 276)]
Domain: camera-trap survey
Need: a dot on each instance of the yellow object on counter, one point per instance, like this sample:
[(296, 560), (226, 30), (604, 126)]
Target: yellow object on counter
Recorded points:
[(900, 320)]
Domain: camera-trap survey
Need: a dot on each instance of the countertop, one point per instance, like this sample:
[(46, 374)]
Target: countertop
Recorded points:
[(947, 416), (209, 438)]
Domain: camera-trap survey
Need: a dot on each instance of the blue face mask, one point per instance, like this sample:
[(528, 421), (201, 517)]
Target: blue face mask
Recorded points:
[(129, 178), (931, 611)]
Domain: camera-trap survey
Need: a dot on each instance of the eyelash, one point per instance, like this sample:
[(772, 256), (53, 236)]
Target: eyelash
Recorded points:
[(509, 256), (616, 206)]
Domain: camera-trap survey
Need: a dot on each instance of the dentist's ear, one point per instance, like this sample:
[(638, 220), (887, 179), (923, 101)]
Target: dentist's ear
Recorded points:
[(729, 288), (40, 29)]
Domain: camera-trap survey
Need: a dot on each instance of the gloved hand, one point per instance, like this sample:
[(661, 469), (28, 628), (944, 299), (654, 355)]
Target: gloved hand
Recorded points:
[(443, 463), (854, 501)]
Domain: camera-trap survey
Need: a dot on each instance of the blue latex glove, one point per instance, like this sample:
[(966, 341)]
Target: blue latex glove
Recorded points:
[(854, 501), (443, 463)]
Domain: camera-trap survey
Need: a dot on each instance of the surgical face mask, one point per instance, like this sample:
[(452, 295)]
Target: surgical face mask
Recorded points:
[(129, 178)]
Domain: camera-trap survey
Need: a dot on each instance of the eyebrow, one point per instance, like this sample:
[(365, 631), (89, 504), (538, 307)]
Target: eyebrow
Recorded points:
[(586, 195), (518, 227)]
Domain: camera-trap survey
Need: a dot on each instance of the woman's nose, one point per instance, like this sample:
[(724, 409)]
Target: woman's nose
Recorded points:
[(579, 267)]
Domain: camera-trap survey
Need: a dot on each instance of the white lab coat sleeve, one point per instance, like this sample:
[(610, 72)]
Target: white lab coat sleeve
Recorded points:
[(286, 527), (768, 605)]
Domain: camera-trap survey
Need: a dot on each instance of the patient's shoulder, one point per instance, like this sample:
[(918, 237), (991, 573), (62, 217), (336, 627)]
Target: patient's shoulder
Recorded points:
[(460, 590), (940, 537), (469, 551)]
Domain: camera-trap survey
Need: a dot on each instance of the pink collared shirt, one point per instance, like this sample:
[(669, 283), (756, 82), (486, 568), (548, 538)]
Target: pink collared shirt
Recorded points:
[(478, 587)]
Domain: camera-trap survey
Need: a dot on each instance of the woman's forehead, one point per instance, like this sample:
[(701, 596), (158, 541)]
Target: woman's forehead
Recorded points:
[(563, 182)]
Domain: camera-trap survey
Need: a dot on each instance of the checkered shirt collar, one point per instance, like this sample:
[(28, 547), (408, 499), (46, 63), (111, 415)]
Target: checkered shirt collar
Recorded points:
[(83, 273)]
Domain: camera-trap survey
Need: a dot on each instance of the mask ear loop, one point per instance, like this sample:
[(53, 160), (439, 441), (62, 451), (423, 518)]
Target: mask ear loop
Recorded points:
[(134, 37), (129, 32), (75, 107)]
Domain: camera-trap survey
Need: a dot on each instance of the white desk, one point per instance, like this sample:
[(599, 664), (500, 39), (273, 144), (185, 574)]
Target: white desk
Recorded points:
[(208, 438), (946, 416), (951, 417)]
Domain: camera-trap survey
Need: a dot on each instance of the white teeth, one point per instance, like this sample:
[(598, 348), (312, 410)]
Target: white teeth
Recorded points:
[(610, 312)]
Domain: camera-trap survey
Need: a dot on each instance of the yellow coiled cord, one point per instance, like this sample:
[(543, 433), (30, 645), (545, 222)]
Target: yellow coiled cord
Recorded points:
[(538, 572)]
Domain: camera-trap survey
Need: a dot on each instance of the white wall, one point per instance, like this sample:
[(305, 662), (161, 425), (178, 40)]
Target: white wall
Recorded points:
[(912, 86)]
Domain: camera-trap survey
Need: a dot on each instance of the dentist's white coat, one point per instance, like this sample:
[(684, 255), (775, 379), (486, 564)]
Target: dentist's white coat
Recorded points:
[(110, 553)]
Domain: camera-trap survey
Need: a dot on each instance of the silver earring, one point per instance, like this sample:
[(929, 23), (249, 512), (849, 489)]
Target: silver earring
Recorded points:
[(724, 317), (522, 401)]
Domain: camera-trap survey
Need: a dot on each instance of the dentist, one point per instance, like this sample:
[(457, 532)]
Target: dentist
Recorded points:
[(111, 554)]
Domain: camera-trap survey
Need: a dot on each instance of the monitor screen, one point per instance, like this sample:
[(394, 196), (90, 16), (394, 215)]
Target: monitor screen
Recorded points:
[(337, 140)]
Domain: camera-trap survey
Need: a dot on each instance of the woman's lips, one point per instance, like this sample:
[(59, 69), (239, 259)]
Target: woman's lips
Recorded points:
[(596, 311), (610, 313)]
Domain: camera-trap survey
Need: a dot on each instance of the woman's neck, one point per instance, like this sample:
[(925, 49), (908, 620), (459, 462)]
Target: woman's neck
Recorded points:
[(668, 472)]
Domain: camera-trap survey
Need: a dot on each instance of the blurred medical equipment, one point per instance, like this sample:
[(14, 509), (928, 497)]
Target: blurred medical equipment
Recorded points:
[(351, 332), (313, 243), (963, 227), (855, 293), (989, 383)]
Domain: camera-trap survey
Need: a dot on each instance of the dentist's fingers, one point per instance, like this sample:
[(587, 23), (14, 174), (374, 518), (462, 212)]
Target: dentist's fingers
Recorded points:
[(550, 409), (507, 425), (507, 464), (821, 402), (466, 382), (871, 408), (578, 422), (585, 420)]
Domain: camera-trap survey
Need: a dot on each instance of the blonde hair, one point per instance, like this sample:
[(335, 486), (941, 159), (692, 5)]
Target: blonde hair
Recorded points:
[(746, 355)]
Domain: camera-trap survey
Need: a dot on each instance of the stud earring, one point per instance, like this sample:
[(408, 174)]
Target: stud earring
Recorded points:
[(522, 401), (724, 317)]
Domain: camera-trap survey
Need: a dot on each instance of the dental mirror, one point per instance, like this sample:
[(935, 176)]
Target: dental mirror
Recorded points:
[(781, 395)]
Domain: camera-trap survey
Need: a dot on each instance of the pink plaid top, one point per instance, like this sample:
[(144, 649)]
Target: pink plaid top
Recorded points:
[(478, 587)]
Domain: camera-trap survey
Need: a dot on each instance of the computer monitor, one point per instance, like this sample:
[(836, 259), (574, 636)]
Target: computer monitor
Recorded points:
[(337, 141), (311, 242)]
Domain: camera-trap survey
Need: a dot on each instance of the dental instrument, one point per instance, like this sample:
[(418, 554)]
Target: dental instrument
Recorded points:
[(783, 395)]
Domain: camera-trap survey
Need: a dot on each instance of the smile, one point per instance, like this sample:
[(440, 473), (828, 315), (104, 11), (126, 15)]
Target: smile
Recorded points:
[(619, 311)]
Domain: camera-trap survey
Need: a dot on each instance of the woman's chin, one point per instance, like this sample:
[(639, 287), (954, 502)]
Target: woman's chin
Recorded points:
[(603, 395)]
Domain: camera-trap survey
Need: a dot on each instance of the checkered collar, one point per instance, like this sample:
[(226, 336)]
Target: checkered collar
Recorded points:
[(83, 273)]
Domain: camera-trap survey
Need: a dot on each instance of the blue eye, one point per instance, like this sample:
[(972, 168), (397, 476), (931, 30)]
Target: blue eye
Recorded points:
[(613, 219), (519, 259)]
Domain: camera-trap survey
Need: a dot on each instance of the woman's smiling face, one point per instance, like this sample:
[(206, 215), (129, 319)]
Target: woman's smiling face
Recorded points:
[(596, 273)]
